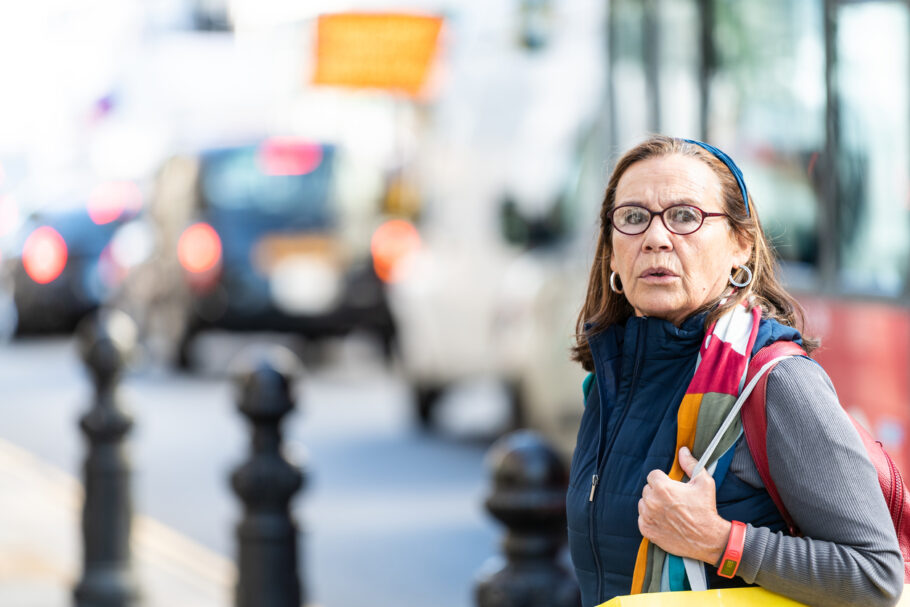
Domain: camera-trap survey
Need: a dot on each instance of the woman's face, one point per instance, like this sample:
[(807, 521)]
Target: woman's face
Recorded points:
[(667, 275)]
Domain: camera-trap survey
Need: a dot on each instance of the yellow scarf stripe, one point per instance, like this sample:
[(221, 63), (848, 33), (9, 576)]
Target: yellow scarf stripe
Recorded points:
[(686, 422), (641, 563)]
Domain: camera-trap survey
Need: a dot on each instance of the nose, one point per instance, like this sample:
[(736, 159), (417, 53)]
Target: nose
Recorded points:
[(657, 237)]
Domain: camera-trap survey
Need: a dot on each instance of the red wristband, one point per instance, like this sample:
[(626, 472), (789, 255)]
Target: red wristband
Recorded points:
[(729, 562)]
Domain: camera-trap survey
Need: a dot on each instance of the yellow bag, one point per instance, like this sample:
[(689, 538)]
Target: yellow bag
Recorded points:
[(732, 597)]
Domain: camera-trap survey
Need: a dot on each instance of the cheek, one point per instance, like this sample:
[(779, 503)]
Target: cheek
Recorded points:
[(706, 266), (618, 257)]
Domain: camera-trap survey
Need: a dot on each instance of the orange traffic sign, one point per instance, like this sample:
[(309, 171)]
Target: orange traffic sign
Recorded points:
[(391, 51)]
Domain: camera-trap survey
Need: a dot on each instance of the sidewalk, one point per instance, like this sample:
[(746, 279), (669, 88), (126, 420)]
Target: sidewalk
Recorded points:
[(41, 545)]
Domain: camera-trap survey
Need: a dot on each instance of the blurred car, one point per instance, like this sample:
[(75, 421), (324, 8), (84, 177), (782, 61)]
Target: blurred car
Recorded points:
[(62, 264), (257, 242)]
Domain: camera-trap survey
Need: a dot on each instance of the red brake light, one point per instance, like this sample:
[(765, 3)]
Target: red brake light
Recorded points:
[(283, 156), (44, 255), (199, 248), (393, 242)]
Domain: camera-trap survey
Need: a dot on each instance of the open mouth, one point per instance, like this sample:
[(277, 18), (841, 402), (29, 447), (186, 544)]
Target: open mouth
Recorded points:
[(657, 273)]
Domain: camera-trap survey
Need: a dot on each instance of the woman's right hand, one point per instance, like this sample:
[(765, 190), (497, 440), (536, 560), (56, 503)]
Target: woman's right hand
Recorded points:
[(682, 518)]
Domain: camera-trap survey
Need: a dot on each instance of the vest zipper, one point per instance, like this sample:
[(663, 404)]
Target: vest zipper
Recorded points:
[(594, 480), (591, 526)]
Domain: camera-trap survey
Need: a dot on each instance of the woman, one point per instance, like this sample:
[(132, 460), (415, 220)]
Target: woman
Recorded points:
[(681, 254)]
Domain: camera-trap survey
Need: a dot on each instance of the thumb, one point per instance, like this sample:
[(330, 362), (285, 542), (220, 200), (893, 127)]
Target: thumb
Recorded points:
[(687, 461)]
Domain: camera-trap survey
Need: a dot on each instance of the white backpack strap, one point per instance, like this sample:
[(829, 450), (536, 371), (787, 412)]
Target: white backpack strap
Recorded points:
[(695, 571), (728, 421)]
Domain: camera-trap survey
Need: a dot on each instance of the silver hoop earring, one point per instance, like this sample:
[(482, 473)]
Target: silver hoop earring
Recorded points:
[(745, 282), (613, 283)]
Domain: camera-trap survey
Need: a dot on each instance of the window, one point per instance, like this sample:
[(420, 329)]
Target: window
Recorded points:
[(630, 91), (872, 201), (292, 183), (679, 57), (767, 109)]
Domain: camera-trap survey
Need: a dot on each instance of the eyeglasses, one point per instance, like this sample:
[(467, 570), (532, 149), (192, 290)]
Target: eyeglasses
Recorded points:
[(682, 219)]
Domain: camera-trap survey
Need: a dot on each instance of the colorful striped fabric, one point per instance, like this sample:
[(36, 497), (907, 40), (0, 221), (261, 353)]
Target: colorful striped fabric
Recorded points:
[(719, 376)]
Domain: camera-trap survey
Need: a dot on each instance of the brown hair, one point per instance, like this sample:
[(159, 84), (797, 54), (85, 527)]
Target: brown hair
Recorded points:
[(603, 307)]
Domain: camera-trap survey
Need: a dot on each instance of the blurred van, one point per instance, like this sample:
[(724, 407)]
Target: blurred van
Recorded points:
[(507, 308), (267, 236)]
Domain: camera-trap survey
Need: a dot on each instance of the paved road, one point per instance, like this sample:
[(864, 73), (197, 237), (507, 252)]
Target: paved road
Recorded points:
[(392, 517)]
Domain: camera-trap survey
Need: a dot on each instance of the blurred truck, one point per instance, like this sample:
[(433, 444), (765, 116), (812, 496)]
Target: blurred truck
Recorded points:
[(506, 309)]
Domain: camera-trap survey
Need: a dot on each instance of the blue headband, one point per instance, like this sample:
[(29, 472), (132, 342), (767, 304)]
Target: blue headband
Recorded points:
[(730, 165)]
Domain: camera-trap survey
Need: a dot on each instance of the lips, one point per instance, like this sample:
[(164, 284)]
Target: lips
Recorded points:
[(657, 272)]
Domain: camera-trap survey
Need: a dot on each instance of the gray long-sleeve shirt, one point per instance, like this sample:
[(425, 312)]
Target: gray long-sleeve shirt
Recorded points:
[(848, 554)]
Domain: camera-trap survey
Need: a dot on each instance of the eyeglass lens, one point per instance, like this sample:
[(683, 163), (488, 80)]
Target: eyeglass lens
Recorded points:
[(679, 219)]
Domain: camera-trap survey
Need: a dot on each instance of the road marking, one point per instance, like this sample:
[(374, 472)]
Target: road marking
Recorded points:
[(152, 541)]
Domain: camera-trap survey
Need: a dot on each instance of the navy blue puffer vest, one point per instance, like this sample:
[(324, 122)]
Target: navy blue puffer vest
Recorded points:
[(628, 428)]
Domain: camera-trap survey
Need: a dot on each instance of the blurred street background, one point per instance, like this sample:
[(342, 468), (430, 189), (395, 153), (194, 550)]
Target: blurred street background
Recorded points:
[(406, 195)]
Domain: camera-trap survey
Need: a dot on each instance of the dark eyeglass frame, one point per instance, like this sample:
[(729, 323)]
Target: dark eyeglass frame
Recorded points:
[(703, 214)]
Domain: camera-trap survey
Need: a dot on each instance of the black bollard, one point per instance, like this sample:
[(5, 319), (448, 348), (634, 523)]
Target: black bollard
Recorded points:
[(106, 341), (529, 498), (266, 482)]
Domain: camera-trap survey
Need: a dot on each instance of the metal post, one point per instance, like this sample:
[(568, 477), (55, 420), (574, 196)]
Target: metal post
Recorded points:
[(529, 498), (611, 50), (707, 65), (651, 57), (106, 340), (830, 208), (266, 482)]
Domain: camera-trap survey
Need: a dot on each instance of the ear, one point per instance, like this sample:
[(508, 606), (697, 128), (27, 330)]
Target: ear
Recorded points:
[(742, 251)]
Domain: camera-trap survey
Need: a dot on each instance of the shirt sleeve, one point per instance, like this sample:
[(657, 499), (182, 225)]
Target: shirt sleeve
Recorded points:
[(848, 554)]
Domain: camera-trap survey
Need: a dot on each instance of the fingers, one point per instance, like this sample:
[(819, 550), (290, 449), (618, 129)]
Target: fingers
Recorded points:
[(672, 513), (644, 518), (642, 527), (687, 461), (656, 477)]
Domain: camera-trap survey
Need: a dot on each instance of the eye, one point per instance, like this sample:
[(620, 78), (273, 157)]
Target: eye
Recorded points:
[(683, 215), (631, 216)]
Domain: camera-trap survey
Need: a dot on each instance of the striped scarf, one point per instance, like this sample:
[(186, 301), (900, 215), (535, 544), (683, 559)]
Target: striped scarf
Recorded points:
[(719, 376)]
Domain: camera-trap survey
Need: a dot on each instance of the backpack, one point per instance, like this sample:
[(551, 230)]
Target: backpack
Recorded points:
[(755, 425)]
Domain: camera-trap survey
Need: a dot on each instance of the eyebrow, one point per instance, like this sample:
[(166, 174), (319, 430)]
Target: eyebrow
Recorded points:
[(687, 201)]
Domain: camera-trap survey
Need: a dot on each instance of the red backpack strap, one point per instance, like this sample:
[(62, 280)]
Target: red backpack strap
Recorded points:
[(755, 418)]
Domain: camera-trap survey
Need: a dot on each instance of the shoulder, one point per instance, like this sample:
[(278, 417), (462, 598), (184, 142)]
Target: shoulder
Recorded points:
[(800, 387), (800, 396), (799, 374)]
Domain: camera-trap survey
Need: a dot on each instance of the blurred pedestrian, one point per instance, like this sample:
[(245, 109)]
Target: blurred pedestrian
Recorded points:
[(682, 256)]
